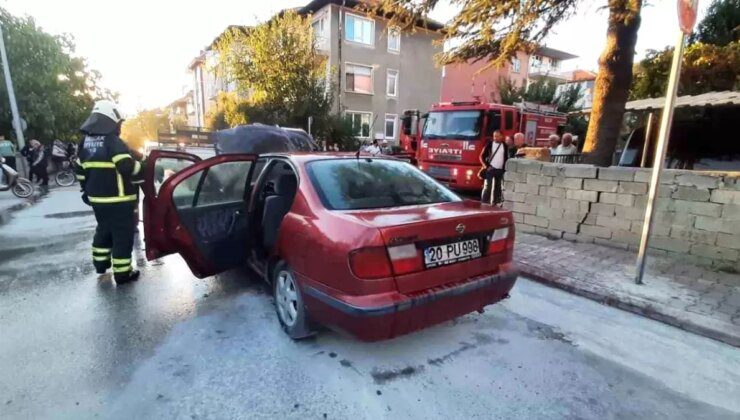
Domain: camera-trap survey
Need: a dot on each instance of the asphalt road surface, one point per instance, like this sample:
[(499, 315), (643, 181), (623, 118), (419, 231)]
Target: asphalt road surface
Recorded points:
[(76, 346)]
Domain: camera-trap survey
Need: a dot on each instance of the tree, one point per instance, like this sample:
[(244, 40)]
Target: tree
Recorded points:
[(55, 90), (705, 68), (721, 25), (496, 30), (509, 92), (144, 126), (278, 68)]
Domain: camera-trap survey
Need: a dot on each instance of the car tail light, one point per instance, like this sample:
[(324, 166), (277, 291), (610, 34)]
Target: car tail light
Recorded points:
[(405, 259), (498, 240), (370, 263)]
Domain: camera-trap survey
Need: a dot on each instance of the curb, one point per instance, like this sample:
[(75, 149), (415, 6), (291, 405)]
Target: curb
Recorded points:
[(542, 276)]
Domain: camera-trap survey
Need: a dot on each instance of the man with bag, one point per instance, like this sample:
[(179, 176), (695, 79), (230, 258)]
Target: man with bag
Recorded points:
[(493, 157)]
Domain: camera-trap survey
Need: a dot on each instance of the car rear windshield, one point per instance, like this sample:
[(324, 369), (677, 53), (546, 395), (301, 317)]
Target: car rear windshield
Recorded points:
[(354, 184), (453, 125)]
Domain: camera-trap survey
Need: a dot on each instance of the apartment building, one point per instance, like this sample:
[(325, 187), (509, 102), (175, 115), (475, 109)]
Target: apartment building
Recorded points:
[(206, 83), (468, 81), (378, 71), (586, 80)]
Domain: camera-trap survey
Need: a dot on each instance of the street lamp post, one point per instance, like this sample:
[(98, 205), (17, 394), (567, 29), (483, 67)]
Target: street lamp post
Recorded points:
[(17, 125)]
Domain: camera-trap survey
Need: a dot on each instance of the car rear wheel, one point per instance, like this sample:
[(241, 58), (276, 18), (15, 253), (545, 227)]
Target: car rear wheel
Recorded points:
[(289, 303)]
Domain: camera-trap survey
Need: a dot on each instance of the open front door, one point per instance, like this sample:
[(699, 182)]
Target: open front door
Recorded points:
[(160, 166), (203, 213)]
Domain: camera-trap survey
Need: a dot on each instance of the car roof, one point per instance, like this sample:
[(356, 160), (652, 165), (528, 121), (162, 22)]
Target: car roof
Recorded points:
[(305, 157)]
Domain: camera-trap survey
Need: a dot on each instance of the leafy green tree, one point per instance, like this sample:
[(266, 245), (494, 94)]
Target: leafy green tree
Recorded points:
[(55, 90), (278, 68), (509, 92), (721, 25), (705, 68), (569, 97), (144, 126), (496, 30), (541, 91)]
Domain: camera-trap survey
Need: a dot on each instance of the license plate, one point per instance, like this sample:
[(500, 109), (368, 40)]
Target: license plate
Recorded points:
[(451, 253)]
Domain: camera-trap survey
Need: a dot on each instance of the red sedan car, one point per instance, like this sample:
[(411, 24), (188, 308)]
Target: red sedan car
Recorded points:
[(370, 246)]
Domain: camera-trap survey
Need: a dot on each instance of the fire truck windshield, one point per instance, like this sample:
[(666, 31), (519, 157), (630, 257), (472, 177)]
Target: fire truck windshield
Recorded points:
[(453, 125)]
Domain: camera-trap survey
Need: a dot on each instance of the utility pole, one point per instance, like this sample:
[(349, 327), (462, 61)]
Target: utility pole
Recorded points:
[(11, 93)]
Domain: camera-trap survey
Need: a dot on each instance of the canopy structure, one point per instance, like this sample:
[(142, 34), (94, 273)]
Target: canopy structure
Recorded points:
[(259, 139), (725, 98)]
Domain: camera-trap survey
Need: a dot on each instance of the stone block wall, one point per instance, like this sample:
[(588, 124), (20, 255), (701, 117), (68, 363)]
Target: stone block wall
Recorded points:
[(697, 213)]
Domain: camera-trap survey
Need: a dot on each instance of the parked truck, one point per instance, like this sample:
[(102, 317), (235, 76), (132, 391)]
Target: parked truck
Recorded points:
[(447, 141)]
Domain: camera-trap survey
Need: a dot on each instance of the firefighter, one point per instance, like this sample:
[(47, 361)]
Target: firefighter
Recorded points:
[(105, 171)]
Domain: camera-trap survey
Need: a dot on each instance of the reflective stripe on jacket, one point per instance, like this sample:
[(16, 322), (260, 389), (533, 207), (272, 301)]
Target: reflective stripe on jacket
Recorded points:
[(105, 169)]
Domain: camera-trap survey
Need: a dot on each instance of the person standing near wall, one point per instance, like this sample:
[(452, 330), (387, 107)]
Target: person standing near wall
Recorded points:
[(493, 158)]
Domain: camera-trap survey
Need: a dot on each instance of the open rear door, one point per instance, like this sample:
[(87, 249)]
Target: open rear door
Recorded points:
[(160, 166), (202, 214)]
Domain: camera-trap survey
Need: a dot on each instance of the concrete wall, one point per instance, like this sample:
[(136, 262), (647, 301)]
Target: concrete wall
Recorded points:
[(697, 213)]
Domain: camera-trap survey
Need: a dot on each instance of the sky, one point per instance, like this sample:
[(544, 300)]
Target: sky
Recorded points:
[(143, 47)]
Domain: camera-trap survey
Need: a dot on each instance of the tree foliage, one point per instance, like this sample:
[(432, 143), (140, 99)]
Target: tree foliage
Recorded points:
[(542, 91), (705, 68), (144, 126), (721, 25), (54, 89), (278, 68)]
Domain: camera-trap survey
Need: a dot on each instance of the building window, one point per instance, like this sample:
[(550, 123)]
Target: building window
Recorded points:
[(554, 64), (320, 33), (391, 83), (390, 126), (358, 78), (360, 123), (394, 40), (536, 61), (516, 65), (359, 29)]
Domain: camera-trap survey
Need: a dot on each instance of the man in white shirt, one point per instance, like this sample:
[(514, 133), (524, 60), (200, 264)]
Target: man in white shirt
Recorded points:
[(554, 140), (566, 146), (373, 149), (493, 158)]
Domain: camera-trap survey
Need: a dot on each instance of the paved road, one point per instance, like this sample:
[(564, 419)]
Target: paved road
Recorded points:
[(171, 346)]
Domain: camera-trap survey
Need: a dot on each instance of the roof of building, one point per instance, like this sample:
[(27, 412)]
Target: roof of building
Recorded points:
[(724, 98), (553, 53), (315, 5)]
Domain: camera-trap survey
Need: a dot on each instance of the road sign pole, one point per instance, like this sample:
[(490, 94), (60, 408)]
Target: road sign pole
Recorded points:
[(665, 127), (11, 93)]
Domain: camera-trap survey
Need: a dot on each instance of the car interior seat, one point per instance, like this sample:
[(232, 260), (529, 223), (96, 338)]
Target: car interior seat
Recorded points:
[(276, 207)]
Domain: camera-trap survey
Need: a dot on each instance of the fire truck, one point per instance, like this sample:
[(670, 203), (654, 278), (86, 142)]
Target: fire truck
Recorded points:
[(448, 140)]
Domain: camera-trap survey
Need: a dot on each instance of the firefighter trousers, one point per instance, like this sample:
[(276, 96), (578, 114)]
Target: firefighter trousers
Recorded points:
[(114, 238)]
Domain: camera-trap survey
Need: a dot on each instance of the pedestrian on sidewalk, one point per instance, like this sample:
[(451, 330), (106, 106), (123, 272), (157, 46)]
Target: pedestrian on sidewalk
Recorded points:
[(554, 143), (493, 158), (39, 162), (517, 145), (106, 173), (7, 150)]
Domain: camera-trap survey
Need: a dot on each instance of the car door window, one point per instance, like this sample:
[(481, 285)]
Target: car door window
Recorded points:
[(165, 167), (220, 184)]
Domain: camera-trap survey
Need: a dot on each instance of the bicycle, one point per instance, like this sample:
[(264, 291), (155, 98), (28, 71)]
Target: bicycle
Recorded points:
[(66, 176)]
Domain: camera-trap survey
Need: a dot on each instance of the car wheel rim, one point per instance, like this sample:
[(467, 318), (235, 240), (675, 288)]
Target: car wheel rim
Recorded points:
[(287, 298)]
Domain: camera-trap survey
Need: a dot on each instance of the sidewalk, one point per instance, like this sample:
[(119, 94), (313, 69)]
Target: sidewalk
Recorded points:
[(683, 295)]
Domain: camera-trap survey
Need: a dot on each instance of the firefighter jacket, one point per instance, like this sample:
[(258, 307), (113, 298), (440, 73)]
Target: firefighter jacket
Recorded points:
[(106, 169)]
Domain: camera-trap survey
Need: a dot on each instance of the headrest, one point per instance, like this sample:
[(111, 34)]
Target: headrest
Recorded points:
[(286, 185)]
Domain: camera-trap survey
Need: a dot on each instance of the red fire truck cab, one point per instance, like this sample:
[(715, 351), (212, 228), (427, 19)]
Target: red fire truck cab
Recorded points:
[(450, 141)]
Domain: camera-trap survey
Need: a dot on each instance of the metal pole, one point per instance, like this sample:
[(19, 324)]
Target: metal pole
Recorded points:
[(11, 92), (646, 145), (665, 126)]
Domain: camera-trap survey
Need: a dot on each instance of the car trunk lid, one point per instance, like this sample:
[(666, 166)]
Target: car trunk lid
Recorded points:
[(454, 229)]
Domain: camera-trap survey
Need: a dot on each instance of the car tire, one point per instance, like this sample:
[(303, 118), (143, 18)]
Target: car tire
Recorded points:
[(289, 306)]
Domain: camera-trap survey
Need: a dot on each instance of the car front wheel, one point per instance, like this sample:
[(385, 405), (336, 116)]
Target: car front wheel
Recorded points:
[(289, 303)]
